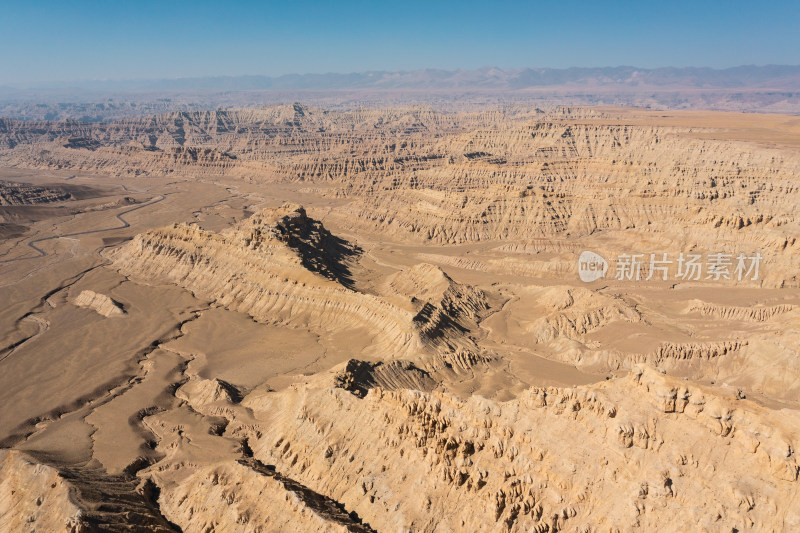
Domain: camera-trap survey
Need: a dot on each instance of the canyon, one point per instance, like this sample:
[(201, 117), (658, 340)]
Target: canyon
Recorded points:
[(308, 318)]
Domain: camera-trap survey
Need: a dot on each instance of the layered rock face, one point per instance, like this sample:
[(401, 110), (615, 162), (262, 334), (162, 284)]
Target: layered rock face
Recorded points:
[(324, 459), (643, 450), (257, 268), (100, 303), (279, 266), (560, 179), (17, 194), (285, 142), (483, 466), (34, 496), (428, 359), (516, 174)]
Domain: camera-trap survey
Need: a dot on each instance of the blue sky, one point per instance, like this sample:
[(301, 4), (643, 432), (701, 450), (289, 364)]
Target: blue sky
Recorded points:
[(79, 40)]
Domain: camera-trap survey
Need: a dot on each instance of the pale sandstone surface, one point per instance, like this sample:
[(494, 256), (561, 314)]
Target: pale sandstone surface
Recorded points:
[(372, 320), (100, 303)]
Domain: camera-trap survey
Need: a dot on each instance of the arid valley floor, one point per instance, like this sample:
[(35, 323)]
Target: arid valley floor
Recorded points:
[(292, 318)]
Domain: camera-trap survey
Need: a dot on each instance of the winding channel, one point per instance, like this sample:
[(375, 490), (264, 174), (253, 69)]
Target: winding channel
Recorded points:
[(125, 224)]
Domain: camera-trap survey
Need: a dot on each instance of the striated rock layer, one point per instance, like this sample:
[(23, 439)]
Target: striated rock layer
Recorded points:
[(513, 174), (100, 303), (642, 449), (643, 452), (279, 266), (451, 372), (15, 194)]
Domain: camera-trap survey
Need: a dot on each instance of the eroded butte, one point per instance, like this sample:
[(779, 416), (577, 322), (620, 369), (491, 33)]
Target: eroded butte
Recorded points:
[(299, 319)]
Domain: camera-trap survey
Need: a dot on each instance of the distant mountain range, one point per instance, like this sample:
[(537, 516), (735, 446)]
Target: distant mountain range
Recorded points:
[(766, 89), (775, 77)]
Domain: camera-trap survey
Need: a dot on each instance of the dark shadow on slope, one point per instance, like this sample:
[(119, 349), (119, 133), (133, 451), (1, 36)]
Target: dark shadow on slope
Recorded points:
[(324, 506), (360, 376), (320, 251), (111, 503)]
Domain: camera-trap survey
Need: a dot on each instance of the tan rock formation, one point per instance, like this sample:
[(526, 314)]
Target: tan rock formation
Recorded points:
[(280, 266), (15, 194), (413, 350), (100, 303), (34, 497)]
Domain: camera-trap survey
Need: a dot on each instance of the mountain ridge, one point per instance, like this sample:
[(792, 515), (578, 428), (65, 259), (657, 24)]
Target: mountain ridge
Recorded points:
[(743, 76)]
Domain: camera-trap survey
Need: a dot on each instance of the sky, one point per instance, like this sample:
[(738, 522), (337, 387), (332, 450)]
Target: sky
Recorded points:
[(113, 39)]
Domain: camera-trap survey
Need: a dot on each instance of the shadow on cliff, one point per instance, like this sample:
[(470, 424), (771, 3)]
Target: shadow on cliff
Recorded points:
[(320, 251)]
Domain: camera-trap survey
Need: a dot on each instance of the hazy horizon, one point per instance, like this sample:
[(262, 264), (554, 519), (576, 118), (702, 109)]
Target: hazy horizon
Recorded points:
[(60, 83)]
